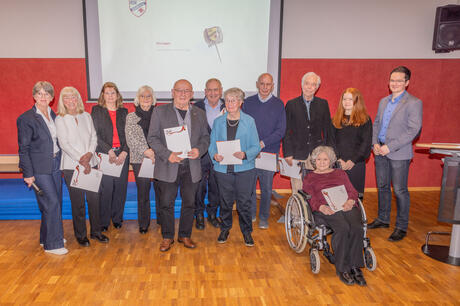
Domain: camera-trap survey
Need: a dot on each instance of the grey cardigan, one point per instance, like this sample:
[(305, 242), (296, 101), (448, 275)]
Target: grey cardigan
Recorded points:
[(135, 139)]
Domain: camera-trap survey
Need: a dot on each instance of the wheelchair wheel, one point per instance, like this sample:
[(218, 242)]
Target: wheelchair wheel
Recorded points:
[(294, 223), (315, 263), (369, 259)]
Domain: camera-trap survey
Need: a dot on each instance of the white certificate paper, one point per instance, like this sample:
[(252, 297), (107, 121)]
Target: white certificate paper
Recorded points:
[(291, 171), (84, 181), (178, 140), (266, 161), (335, 197), (108, 168), (147, 168), (226, 149)]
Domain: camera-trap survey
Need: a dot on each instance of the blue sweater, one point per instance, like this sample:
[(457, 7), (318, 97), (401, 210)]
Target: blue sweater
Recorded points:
[(270, 118), (246, 133)]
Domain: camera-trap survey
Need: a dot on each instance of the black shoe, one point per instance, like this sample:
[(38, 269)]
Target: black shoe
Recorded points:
[(83, 242), (199, 222), (100, 237), (213, 220), (346, 278), (223, 236), (397, 235), (104, 229), (248, 241), (143, 230), (358, 277), (377, 224), (117, 225)]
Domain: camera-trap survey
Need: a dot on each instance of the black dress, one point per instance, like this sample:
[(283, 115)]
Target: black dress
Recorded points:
[(354, 143)]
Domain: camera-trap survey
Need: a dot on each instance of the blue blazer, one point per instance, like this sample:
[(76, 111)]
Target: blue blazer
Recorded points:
[(36, 148), (246, 133)]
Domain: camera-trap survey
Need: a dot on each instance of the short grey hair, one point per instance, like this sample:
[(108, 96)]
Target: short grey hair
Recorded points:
[(323, 149), (142, 89), (46, 86), (234, 92), (308, 74)]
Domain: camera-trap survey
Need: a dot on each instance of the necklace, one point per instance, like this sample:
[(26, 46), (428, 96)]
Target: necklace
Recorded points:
[(234, 124)]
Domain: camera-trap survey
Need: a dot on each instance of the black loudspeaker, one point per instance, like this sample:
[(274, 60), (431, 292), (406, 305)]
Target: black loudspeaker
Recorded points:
[(446, 35)]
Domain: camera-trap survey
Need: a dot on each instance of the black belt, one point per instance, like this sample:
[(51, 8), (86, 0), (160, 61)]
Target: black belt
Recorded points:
[(381, 143), (116, 148)]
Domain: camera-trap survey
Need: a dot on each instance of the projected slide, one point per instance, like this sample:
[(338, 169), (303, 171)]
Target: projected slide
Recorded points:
[(156, 42)]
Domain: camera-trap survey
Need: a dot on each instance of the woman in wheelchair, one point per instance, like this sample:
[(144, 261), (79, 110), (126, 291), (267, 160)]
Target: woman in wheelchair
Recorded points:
[(347, 237)]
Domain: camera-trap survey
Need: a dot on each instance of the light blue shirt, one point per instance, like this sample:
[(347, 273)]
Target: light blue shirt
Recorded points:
[(307, 104), (212, 113), (266, 99), (391, 106)]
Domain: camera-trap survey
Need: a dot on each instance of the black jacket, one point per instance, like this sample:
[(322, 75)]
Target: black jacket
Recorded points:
[(104, 128), (303, 135)]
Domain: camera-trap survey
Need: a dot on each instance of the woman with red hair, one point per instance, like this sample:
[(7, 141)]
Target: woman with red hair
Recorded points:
[(352, 130)]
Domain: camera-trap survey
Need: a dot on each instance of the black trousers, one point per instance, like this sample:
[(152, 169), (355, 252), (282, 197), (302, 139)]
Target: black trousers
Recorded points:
[(347, 239), (357, 176), (143, 197), (237, 186), (113, 196), (77, 201), (208, 184), (168, 194)]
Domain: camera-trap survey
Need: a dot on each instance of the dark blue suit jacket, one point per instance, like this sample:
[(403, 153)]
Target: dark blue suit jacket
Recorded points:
[(36, 148)]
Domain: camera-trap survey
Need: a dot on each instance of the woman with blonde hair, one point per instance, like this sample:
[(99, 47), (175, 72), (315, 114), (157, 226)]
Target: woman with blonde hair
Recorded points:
[(109, 118), (352, 134), (78, 140)]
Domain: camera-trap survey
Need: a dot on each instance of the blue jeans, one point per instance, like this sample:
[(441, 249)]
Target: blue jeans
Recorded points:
[(394, 172), (50, 205), (266, 183)]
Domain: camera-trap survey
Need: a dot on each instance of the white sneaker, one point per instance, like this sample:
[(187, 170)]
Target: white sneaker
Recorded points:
[(61, 251), (63, 240)]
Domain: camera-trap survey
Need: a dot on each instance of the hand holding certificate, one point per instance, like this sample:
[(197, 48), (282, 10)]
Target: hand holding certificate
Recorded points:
[(111, 169), (90, 181), (335, 197), (266, 161), (147, 168), (227, 149), (178, 140), (291, 171)]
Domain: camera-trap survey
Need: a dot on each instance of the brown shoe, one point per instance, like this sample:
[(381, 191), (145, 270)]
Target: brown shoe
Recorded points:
[(166, 244), (188, 243)]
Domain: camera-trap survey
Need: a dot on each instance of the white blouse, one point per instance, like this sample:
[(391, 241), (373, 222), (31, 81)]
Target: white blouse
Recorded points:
[(77, 136)]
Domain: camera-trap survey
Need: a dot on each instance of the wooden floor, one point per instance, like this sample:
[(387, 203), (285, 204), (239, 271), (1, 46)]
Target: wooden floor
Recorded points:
[(131, 270)]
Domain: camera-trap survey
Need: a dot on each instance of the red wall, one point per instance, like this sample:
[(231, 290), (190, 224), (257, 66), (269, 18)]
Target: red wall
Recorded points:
[(433, 81)]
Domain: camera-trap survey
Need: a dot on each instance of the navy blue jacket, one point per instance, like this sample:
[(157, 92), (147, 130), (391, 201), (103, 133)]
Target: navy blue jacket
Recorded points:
[(36, 147), (201, 105)]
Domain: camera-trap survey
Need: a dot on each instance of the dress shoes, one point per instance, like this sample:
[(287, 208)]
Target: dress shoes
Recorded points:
[(397, 235), (377, 224), (117, 225), (83, 241), (223, 236), (346, 278), (188, 243), (104, 229), (143, 230), (358, 277), (248, 241), (100, 237), (199, 223), (166, 244), (214, 221)]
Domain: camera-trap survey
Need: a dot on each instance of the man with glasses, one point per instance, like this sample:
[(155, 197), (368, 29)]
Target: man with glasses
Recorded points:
[(173, 171), (270, 117), (398, 123), (213, 105)]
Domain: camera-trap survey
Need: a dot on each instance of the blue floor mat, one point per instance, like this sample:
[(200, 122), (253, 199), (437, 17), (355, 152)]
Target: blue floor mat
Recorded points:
[(17, 202)]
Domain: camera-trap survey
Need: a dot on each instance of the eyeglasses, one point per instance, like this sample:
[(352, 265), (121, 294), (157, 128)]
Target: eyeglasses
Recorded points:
[(232, 101), (41, 94), (145, 97), (183, 91), (397, 81), (68, 97)]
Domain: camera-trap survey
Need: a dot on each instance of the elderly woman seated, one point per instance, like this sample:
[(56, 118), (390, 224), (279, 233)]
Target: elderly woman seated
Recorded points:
[(347, 239)]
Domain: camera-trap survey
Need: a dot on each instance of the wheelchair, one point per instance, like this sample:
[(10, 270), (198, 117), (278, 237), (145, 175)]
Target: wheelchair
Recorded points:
[(302, 228)]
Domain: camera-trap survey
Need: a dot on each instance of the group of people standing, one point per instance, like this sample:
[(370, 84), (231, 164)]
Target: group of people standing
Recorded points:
[(50, 143)]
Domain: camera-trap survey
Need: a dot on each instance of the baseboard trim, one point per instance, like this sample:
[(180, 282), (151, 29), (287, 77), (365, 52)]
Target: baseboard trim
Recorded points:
[(374, 189)]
